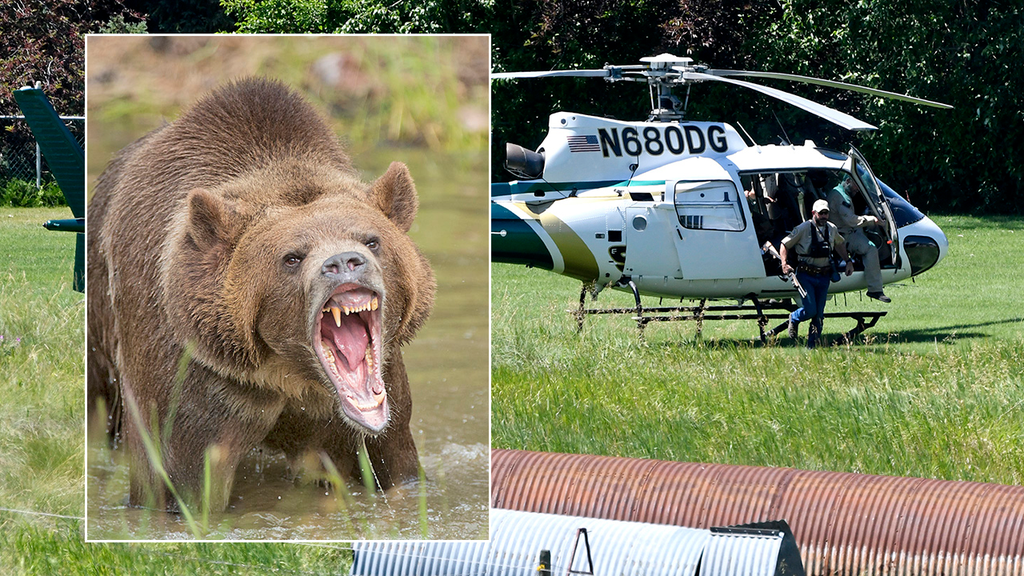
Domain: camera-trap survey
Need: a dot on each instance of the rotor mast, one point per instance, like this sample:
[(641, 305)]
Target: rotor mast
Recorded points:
[(665, 106), (660, 72)]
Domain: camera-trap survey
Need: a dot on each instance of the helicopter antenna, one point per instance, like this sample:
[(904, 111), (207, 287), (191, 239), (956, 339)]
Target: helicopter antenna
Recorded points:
[(522, 175), (632, 171), (783, 128), (749, 138)]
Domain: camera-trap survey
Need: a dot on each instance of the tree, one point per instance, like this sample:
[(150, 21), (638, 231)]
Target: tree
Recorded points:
[(554, 34), (43, 41), (183, 16), (965, 54), (358, 16)]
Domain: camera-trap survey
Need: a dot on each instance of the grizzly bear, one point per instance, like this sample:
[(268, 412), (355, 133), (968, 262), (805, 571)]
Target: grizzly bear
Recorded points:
[(247, 289)]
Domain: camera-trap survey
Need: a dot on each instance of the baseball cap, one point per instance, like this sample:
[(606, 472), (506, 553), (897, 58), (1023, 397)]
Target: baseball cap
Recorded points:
[(820, 206)]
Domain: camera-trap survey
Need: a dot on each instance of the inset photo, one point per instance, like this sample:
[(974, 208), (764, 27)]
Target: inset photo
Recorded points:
[(287, 288)]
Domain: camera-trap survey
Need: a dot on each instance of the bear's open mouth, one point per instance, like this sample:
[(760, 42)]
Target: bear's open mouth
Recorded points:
[(347, 342)]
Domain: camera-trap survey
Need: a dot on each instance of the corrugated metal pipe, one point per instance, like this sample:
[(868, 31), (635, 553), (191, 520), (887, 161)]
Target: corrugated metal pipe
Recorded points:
[(846, 524), (520, 540)]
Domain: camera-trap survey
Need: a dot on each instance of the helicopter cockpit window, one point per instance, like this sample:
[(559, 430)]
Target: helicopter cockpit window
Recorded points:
[(868, 180), (709, 205)]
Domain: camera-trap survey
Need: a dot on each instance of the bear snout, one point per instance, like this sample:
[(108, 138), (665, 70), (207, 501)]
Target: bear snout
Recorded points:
[(344, 267)]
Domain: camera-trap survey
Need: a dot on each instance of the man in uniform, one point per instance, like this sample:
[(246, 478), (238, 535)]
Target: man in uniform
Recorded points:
[(850, 226), (813, 242)]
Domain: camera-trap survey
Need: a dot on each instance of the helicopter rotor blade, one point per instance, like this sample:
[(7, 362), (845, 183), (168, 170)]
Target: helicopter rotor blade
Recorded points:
[(829, 83), (834, 116), (552, 74)]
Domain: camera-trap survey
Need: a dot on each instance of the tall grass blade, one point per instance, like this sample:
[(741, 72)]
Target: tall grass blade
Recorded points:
[(342, 496), (153, 453)]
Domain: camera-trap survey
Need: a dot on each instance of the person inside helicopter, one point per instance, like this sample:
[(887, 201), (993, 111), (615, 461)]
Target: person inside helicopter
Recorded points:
[(775, 201), (756, 200), (841, 200), (762, 193)]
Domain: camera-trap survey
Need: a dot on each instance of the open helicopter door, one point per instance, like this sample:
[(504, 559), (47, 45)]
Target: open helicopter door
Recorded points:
[(869, 184), (712, 232)]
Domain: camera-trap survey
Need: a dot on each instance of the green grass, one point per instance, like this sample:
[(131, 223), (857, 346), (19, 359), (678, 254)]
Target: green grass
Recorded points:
[(41, 366), (60, 550), (42, 436), (934, 390)]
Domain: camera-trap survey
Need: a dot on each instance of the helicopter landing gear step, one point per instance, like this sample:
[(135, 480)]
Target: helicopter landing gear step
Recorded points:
[(864, 320), (763, 312)]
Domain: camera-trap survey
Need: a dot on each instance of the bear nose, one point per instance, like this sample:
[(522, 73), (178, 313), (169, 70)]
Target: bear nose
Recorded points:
[(344, 266)]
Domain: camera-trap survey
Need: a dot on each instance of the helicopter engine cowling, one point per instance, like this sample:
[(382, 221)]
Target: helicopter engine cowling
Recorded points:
[(522, 162)]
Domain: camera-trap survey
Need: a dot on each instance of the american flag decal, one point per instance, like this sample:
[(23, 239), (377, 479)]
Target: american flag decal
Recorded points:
[(583, 143)]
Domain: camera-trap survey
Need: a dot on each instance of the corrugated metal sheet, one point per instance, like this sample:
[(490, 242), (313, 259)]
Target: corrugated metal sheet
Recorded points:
[(617, 548), (846, 524), (738, 554), (421, 558)]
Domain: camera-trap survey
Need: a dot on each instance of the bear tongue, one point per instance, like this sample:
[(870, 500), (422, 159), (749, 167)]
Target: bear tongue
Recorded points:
[(351, 340)]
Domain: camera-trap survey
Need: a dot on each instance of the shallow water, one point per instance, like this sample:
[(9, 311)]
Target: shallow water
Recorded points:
[(448, 371)]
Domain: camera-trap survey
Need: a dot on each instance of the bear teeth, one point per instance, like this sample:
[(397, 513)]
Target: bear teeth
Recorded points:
[(329, 356), (337, 310), (370, 406)]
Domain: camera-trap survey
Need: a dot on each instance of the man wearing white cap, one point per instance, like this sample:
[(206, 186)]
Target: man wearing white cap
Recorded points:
[(850, 226), (813, 242)]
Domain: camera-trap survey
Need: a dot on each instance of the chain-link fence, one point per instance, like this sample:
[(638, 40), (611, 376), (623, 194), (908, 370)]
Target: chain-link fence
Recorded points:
[(19, 156)]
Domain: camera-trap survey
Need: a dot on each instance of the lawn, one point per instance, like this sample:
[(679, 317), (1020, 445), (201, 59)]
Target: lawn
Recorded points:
[(934, 390)]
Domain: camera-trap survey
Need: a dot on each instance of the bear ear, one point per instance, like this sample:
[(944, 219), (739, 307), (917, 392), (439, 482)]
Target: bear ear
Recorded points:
[(209, 220), (395, 194)]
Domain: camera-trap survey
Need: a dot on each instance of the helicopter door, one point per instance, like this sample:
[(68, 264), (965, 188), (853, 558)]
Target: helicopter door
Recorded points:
[(712, 236), (868, 183), (649, 234)]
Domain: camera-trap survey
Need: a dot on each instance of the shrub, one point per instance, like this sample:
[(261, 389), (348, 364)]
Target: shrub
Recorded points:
[(51, 195), (24, 194), (20, 194)]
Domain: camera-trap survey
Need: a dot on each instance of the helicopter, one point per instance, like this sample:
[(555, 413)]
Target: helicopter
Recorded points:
[(692, 210)]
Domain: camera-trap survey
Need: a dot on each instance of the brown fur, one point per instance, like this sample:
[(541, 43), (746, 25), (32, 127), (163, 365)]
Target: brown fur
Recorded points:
[(191, 230)]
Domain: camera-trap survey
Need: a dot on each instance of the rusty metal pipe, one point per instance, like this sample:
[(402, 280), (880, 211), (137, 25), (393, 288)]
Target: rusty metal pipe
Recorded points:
[(846, 524)]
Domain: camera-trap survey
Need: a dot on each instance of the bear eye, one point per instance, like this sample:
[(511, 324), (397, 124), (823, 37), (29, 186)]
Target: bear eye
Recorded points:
[(292, 261), (372, 244)]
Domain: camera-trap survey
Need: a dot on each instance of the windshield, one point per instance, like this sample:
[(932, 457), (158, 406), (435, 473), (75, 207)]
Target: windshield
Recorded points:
[(903, 212)]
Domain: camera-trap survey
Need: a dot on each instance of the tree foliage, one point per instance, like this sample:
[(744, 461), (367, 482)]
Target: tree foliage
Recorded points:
[(966, 54), (357, 16), (43, 41), (181, 16), (554, 34)]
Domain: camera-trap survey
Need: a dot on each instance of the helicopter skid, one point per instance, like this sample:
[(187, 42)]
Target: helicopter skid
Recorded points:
[(762, 312)]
